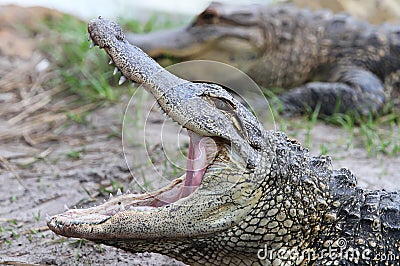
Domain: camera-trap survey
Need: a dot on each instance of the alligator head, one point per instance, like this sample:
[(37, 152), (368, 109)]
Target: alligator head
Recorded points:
[(230, 34), (222, 183)]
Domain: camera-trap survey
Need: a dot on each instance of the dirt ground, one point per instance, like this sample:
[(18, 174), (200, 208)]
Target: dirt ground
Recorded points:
[(47, 161)]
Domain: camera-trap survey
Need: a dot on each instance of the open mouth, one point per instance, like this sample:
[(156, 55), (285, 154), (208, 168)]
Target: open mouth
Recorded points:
[(208, 158), (201, 154)]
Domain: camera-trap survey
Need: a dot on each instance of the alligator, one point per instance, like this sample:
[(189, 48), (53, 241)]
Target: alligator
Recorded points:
[(321, 59), (250, 196)]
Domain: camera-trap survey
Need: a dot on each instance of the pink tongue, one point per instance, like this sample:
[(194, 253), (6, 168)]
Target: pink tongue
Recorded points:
[(195, 166)]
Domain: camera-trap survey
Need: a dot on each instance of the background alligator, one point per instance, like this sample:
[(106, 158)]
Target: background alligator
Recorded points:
[(257, 197), (343, 63), (374, 11)]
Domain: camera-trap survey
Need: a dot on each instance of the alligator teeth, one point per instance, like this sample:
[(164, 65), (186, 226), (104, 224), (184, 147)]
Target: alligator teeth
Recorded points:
[(111, 195), (111, 62), (122, 79), (115, 71), (131, 208), (92, 44), (119, 192), (122, 207), (66, 207), (128, 192)]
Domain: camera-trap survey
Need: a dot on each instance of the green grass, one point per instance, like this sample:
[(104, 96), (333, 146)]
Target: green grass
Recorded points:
[(145, 184), (82, 71), (36, 216), (324, 149), (311, 123), (85, 72), (13, 198), (80, 118), (8, 232), (376, 134), (75, 154), (115, 185), (78, 250)]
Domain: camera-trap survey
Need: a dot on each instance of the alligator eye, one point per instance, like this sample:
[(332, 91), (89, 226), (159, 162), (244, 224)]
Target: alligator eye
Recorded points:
[(209, 16), (222, 105), (230, 111)]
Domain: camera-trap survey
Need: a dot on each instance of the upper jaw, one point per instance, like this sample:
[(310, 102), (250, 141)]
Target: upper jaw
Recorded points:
[(99, 27)]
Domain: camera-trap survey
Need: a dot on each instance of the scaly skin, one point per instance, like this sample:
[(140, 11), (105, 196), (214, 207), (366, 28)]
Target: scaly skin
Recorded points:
[(265, 194), (345, 64)]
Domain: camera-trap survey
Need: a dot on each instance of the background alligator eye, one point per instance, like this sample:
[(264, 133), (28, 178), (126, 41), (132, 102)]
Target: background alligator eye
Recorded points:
[(209, 16)]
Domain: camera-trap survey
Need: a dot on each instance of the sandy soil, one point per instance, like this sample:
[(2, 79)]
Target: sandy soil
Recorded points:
[(40, 170)]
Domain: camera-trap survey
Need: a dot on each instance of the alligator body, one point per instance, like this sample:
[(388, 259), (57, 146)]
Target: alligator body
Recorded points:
[(256, 198), (319, 57)]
